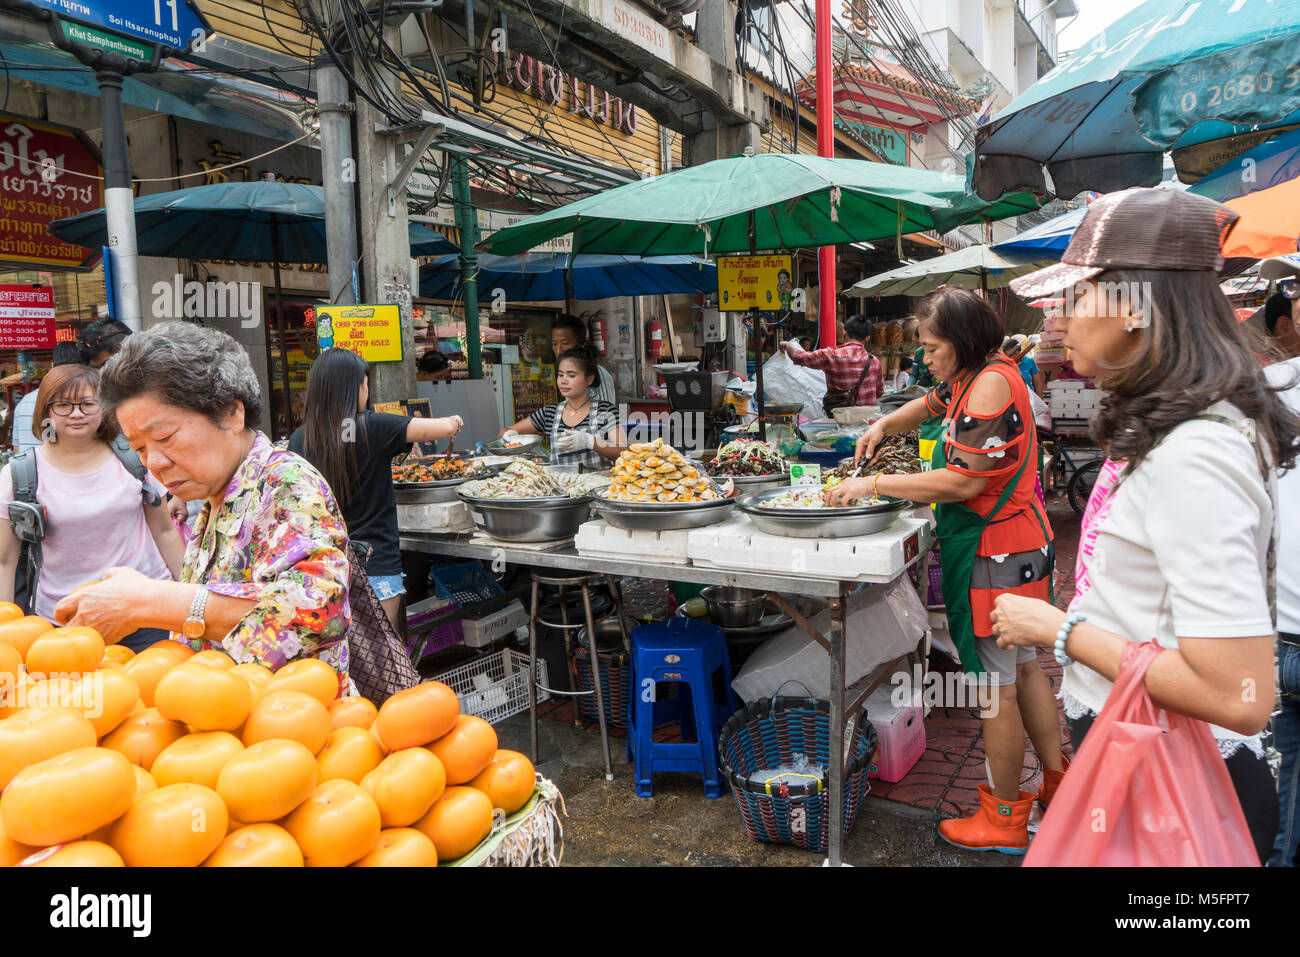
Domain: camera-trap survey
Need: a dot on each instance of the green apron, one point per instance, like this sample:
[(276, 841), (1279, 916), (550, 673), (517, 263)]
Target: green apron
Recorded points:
[(958, 530)]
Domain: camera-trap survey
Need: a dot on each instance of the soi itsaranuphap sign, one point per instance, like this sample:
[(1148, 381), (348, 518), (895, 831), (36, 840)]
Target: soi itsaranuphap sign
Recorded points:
[(373, 332)]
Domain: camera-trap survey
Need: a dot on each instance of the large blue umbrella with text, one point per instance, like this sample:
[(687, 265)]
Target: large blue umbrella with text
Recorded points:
[(1203, 79)]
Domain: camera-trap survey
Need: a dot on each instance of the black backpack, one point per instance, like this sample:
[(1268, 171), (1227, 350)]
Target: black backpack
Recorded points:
[(28, 518)]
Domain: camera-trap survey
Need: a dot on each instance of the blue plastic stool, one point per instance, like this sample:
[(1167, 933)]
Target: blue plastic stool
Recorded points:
[(690, 652)]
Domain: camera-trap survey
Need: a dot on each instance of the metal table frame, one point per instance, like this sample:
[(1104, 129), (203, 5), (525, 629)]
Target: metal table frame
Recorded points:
[(844, 701)]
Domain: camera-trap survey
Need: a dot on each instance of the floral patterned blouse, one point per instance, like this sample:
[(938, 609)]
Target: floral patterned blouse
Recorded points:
[(278, 538)]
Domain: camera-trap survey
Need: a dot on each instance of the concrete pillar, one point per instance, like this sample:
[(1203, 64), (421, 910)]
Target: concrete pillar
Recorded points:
[(339, 175), (385, 243), (715, 33)]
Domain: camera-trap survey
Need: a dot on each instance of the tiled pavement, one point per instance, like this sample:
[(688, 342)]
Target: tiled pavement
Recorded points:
[(945, 779)]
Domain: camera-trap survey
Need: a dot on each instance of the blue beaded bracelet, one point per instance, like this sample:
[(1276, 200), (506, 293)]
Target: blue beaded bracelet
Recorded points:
[(1063, 635)]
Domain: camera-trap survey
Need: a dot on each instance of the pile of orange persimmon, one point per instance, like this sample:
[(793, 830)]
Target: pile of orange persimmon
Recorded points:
[(171, 758)]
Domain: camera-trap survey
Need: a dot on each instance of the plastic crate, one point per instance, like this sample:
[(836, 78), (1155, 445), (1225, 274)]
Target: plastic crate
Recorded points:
[(495, 687), (486, 628), (827, 460), (466, 582), (418, 644)]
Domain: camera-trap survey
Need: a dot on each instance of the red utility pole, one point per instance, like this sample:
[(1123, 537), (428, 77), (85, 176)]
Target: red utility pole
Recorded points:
[(825, 147)]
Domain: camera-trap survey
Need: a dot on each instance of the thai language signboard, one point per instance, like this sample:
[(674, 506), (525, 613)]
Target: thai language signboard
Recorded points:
[(26, 317), (39, 184), (765, 283)]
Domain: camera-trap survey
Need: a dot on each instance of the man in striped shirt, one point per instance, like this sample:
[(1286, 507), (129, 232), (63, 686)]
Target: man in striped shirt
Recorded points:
[(843, 365)]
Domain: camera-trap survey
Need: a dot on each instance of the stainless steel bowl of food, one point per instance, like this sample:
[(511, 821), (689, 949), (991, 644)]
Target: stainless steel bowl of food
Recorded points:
[(660, 517), (756, 483), (443, 490), (732, 607), (529, 519), (814, 522), (519, 445)]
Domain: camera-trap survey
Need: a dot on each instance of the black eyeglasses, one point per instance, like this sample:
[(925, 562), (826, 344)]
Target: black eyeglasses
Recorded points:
[(1290, 288), (62, 407)]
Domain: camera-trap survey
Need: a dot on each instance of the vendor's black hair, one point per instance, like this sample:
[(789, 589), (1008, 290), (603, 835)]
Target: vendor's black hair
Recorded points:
[(585, 356), (904, 363), (857, 328), (566, 321), (1277, 307), (332, 424)]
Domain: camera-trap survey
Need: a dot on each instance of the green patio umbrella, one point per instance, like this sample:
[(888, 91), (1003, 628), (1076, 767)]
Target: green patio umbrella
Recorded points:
[(976, 267), (769, 201), (764, 202)]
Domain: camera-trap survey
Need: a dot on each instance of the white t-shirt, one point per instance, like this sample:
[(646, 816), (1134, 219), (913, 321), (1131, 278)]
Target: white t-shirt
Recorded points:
[(1181, 550), (1288, 508), (95, 522)]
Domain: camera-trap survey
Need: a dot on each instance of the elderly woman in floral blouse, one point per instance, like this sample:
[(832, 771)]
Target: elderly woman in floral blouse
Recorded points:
[(266, 575)]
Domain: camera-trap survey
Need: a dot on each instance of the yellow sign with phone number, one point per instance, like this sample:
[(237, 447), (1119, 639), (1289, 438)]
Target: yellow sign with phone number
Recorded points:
[(373, 332)]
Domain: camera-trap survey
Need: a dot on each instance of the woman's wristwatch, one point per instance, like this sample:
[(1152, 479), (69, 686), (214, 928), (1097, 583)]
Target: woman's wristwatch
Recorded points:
[(194, 626)]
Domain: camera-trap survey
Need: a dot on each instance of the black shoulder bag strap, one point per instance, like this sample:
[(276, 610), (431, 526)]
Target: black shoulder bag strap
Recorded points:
[(131, 462), (853, 396), (22, 472)]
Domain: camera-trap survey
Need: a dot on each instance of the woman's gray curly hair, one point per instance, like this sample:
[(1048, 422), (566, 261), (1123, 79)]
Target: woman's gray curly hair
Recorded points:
[(185, 365)]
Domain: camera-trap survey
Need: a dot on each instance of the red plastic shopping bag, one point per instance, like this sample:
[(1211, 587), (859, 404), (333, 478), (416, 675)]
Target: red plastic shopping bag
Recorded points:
[(1148, 788)]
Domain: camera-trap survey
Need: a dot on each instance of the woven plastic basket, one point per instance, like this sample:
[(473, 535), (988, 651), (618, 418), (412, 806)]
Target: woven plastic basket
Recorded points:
[(615, 681), (768, 735)]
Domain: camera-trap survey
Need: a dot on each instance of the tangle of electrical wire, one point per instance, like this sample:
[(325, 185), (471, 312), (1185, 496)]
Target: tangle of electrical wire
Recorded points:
[(806, 14)]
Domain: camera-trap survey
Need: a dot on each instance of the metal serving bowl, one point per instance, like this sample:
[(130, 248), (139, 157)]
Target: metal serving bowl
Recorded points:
[(661, 516), (755, 483), (444, 490), (783, 408), (821, 522), (732, 607), (526, 444), (529, 519)]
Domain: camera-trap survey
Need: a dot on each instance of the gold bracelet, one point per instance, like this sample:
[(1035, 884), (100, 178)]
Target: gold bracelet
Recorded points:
[(875, 486)]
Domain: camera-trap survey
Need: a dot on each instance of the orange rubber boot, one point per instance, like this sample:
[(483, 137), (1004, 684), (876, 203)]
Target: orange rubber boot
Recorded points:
[(1051, 781), (997, 825)]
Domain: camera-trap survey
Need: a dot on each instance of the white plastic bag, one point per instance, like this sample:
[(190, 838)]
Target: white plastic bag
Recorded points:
[(882, 624), (783, 381), (1042, 414)]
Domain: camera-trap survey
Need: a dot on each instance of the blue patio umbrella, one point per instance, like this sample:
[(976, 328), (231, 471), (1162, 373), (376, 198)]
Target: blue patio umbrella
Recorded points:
[(258, 221), (541, 277), (1047, 240), (1170, 75)]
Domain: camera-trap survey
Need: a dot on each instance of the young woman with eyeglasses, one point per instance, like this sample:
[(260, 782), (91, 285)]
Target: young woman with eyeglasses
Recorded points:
[(96, 516)]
